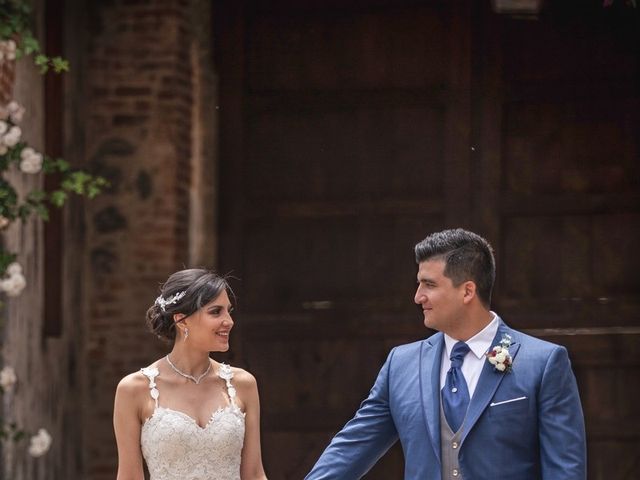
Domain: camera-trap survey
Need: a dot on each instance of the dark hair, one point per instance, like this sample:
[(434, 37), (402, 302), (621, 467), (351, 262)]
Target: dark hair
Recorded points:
[(199, 286), (467, 256)]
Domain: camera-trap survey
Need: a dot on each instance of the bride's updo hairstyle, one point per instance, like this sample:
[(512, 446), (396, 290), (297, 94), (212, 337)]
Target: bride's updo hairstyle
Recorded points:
[(184, 292)]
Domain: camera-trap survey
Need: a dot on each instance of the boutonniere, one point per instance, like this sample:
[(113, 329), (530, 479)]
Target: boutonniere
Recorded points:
[(499, 355)]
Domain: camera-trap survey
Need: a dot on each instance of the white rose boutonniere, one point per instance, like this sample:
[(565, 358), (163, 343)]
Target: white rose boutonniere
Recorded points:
[(499, 355)]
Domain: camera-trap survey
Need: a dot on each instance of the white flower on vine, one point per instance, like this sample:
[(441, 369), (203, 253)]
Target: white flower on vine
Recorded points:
[(8, 378), (3, 147), (14, 268), (8, 50), (14, 281), (16, 111), (13, 285), (4, 126), (4, 222), (12, 137), (31, 161), (40, 443), (27, 152)]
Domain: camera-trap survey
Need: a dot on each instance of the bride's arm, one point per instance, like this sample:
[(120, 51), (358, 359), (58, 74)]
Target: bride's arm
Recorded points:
[(126, 423), (251, 467)]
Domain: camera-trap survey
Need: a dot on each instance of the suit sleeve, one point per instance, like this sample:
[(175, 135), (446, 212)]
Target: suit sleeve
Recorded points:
[(561, 422), (363, 440)]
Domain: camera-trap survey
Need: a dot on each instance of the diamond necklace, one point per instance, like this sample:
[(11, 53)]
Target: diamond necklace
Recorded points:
[(195, 380)]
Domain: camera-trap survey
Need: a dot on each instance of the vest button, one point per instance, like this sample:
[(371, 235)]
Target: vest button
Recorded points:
[(455, 472), (454, 445)]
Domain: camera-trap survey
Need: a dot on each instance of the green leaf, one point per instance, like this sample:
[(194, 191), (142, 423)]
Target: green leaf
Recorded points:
[(63, 165), (76, 181), (59, 64), (58, 197), (4, 162), (93, 190), (24, 211), (36, 196), (6, 258), (29, 44), (8, 195), (42, 61), (42, 211)]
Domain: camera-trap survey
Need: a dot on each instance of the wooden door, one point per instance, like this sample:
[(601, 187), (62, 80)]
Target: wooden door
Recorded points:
[(557, 123), (349, 130)]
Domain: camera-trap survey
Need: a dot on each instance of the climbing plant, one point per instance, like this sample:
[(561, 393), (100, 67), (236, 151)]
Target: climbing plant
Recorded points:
[(17, 41)]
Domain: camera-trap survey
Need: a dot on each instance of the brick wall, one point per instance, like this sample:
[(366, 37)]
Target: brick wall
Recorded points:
[(139, 108)]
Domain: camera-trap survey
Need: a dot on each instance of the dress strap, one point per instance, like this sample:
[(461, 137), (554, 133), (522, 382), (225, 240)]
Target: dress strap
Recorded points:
[(226, 374), (151, 373)]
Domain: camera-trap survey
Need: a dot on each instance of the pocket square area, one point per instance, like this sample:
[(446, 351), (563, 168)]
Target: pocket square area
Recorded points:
[(495, 404), (508, 407)]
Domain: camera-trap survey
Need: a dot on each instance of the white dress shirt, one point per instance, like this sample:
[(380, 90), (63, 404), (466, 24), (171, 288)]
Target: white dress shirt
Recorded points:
[(474, 360)]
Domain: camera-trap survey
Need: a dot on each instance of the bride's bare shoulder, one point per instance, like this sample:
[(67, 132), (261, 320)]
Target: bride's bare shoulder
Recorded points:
[(134, 384), (242, 378)]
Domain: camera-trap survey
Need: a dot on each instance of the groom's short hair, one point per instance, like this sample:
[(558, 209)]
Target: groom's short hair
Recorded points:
[(467, 256)]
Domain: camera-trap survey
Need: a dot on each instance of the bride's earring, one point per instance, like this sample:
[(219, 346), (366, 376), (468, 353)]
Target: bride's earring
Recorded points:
[(186, 334)]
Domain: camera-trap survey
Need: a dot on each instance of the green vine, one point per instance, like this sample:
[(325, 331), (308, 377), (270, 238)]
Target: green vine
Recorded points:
[(15, 25), (17, 41), (37, 201)]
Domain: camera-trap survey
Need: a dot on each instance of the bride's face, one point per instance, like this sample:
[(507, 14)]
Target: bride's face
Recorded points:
[(210, 326)]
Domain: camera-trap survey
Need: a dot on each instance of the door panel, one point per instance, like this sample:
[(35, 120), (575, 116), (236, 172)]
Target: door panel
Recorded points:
[(350, 130)]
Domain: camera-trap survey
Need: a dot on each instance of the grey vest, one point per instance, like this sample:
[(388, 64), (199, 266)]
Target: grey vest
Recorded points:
[(449, 449)]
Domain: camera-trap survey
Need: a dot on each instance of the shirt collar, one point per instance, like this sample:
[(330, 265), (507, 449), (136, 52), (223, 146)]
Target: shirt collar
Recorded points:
[(480, 343)]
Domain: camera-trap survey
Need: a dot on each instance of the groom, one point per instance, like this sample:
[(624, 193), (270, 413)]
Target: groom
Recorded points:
[(476, 401)]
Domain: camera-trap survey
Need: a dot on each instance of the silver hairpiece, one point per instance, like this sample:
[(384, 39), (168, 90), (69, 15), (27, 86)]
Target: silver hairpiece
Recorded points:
[(172, 299)]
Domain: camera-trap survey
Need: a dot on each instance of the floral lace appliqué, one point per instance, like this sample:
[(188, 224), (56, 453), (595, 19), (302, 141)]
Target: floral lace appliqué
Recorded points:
[(175, 447)]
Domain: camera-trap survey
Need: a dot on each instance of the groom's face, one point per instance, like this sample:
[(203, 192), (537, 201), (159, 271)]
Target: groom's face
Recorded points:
[(440, 300)]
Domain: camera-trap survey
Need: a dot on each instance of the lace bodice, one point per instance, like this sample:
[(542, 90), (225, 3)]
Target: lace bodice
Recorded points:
[(175, 447)]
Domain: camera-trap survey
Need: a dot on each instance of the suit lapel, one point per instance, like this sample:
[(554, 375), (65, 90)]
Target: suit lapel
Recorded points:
[(430, 359), (487, 383)]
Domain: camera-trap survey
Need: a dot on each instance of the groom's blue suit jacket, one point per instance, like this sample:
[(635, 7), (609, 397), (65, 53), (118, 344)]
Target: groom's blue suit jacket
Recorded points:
[(540, 436)]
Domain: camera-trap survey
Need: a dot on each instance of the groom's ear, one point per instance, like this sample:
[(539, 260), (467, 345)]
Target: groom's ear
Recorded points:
[(469, 292)]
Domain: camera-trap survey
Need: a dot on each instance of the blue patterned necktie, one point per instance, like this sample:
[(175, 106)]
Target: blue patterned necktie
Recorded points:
[(455, 394)]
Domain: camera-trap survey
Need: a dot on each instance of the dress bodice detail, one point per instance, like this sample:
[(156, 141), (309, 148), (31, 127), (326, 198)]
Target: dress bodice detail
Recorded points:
[(175, 447)]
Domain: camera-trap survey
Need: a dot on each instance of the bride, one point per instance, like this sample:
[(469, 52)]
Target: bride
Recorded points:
[(188, 416)]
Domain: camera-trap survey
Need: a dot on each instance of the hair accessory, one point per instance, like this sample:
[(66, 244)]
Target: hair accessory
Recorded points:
[(171, 300)]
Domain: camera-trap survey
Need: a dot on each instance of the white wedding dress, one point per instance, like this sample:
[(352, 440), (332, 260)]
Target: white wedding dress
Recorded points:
[(175, 447)]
